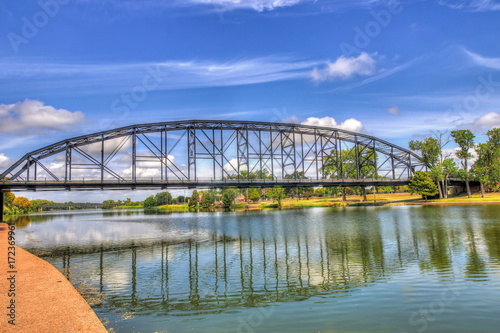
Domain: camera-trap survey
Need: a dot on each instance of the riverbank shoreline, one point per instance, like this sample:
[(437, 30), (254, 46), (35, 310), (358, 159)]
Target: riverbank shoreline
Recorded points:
[(40, 298)]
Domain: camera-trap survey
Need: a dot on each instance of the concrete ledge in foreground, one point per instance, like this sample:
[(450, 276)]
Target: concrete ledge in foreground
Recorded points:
[(45, 301)]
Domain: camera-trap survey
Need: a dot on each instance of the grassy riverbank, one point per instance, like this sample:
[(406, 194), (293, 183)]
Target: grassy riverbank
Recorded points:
[(391, 199)]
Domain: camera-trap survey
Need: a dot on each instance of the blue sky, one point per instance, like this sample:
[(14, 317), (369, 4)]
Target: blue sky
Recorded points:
[(396, 70)]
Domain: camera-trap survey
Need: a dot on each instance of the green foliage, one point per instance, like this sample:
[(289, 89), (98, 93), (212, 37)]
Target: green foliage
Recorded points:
[(296, 175), (150, 202), (108, 204), (465, 141), (344, 165), (320, 192), (422, 183), (208, 199), (163, 198), (194, 201), (385, 189), (228, 196), (429, 148), (254, 194), (449, 168), (487, 166), (276, 193), (244, 174), (9, 198), (39, 204)]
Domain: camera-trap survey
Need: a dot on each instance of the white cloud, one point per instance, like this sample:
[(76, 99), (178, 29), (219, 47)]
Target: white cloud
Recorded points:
[(33, 117), (257, 5), (4, 161), (232, 166), (477, 59), (486, 121), (350, 124), (346, 67), (394, 110), (472, 5)]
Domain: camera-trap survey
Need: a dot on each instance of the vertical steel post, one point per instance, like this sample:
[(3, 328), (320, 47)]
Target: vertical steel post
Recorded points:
[(191, 154), (67, 173), (260, 153), (392, 164), (162, 155), (213, 154), (165, 149), (134, 156), (356, 151), (28, 168), (316, 152), (302, 155), (102, 159)]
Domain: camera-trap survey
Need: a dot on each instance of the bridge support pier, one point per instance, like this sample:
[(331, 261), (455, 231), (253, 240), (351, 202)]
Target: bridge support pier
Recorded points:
[(2, 202)]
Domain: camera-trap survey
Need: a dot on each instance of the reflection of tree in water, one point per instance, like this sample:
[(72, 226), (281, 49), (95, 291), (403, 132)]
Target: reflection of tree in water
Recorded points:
[(22, 221), (476, 266), (435, 235)]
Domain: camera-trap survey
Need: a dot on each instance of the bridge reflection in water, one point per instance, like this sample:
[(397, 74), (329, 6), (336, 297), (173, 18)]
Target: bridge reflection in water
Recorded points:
[(228, 271), (246, 260)]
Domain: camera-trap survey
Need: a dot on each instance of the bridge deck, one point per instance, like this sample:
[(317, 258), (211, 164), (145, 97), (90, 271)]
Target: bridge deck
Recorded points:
[(152, 183)]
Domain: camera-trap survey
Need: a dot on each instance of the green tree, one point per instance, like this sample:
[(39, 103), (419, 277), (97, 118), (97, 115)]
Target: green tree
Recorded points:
[(228, 196), (181, 199), (150, 202), (208, 199), (422, 183), (276, 193), (487, 166), (254, 194), (449, 169), (430, 150), (465, 141), (194, 201), (163, 198), (9, 198)]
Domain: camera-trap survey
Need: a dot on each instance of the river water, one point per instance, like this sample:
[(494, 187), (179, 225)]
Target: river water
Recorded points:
[(357, 269)]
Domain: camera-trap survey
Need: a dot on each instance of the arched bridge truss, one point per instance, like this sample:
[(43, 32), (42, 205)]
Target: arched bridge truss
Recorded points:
[(202, 153)]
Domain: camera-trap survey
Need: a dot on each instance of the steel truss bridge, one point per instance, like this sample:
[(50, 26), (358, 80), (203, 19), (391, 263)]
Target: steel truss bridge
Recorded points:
[(206, 153)]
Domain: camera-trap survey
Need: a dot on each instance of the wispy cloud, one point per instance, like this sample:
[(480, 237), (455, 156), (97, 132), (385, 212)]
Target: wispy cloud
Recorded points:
[(479, 60), (95, 78), (221, 6), (472, 5), (257, 5)]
